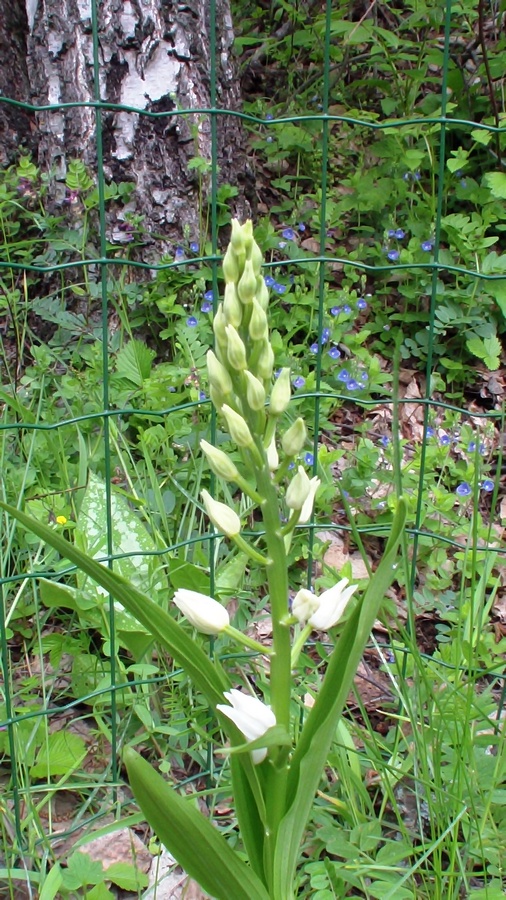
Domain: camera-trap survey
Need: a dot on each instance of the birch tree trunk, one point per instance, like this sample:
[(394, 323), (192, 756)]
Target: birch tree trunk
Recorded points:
[(153, 55)]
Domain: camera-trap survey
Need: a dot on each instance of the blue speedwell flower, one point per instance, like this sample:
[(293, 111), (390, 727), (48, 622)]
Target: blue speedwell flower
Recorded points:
[(288, 234), (393, 255), (347, 309), (361, 303), (427, 246), (269, 281), (301, 227), (194, 247), (353, 385), (344, 375), (429, 432), (179, 253), (325, 335), (299, 381), (487, 485), (314, 348), (445, 440), (334, 353), (191, 321), (279, 288), (308, 458), (335, 311), (463, 489), (206, 307), (209, 296), (400, 234)]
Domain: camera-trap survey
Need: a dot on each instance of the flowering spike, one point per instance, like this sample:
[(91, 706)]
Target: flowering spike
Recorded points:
[(238, 429)]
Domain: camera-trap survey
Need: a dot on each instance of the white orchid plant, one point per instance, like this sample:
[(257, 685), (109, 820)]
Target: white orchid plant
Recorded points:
[(275, 765)]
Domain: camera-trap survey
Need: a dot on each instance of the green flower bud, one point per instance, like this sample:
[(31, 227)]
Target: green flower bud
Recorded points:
[(222, 517), (255, 392), (298, 490), (230, 266), (262, 293), (247, 235), (258, 328), (281, 393), (265, 364), (219, 323), (272, 455), (232, 308), (294, 438), (217, 398), (256, 257), (238, 429), (237, 238), (218, 376), (236, 351), (248, 283), (219, 462)]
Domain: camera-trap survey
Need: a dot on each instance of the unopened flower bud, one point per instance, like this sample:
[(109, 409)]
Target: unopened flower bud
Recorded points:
[(272, 455), (230, 266), (262, 293), (247, 235), (281, 392), (255, 392), (232, 308), (256, 257), (294, 438), (218, 376), (237, 237), (222, 517), (247, 284), (307, 507), (297, 490), (205, 614), (236, 351), (258, 329), (219, 324), (266, 362), (219, 462), (238, 429)]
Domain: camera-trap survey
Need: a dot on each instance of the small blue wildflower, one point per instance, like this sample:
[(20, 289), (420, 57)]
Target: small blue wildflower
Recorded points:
[(269, 281), (291, 465), (384, 440), (308, 458), (269, 117), (191, 321), (406, 176), (209, 296), (347, 309), (334, 353), (391, 232), (194, 247), (487, 485), (282, 245), (202, 395), (400, 234), (301, 227), (313, 348), (179, 253), (335, 311), (206, 307), (277, 373), (288, 234), (361, 303), (364, 377), (299, 381), (427, 246), (353, 385), (429, 432), (445, 440), (325, 335), (343, 376), (393, 255), (471, 448), (463, 489), (416, 176), (279, 288)]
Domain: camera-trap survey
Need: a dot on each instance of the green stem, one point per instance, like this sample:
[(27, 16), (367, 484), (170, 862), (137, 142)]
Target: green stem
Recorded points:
[(252, 553), (246, 641), (298, 644)]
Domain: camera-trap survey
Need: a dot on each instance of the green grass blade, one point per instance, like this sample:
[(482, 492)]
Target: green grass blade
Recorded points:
[(199, 847)]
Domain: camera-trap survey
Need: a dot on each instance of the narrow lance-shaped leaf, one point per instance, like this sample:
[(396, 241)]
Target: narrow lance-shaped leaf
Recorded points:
[(311, 753), (199, 847)]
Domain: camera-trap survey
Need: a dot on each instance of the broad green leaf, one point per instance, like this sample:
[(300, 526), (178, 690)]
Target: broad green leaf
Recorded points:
[(496, 182), (207, 676), (196, 844), (251, 826), (82, 870), (60, 754), (319, 730), (134, 362), (126, 876)]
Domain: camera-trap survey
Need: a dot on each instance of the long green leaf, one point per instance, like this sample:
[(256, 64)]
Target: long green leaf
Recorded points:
[(247, 811), (311, 753), (208, 676), (198, 847)]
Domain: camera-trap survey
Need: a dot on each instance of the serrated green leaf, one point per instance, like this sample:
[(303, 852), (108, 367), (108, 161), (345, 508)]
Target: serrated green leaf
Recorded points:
[(126, 876), (134, 362), (496, 182), (198, 847), (82, 870)]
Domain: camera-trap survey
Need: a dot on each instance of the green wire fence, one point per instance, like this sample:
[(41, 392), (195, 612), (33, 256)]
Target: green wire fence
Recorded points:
[(14, 422)]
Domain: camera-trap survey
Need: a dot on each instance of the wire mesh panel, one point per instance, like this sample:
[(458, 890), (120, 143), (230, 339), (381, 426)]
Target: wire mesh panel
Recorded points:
[(110, 472)]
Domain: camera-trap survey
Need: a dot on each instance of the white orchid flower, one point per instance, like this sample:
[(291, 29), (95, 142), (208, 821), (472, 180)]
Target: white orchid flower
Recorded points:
[(323, 612), (252, 717), (205, 614)]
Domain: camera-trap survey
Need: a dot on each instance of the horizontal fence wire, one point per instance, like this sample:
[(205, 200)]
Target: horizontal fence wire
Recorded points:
[(12, 424)]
